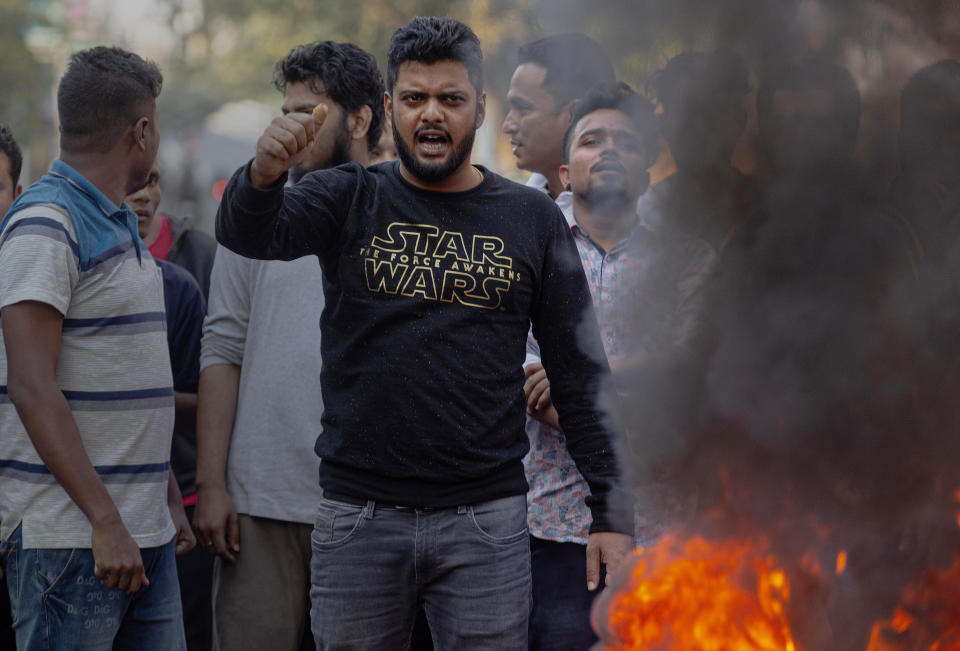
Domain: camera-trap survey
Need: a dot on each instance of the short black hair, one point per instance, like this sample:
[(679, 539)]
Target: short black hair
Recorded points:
[(718, 73), (814, 73), (429, 39), (103, 91), (350, 77), (10, 147), (574, 62), (928, 86), (618, 96)]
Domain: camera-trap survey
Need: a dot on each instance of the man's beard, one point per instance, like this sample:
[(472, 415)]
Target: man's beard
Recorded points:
[(607, 199), (338, 156), (432, 173)]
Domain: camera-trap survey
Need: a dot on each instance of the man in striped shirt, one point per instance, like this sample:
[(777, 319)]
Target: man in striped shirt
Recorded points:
[(86, 395)]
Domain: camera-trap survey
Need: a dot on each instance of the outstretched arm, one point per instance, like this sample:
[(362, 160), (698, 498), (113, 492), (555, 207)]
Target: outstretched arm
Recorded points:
[(260, 219)]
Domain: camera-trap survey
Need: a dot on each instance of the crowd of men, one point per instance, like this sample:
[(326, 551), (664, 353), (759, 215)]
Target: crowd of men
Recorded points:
[(499, 374)]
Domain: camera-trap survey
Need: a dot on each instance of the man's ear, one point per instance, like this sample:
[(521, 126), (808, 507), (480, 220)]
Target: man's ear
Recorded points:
[(140, 133), (358, 122), (387, 103), (564, 175), (566, 111), (18, 190), (481, 110)]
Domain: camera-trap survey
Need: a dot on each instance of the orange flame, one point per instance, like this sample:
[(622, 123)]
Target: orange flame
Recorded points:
[(956, 498), (702, 596), (936, 595), (842, 562)]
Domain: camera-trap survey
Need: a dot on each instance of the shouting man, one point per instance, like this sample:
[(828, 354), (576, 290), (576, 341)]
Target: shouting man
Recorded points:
[(433, 270)]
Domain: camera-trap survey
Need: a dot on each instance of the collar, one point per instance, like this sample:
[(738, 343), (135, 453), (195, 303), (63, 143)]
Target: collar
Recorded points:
[(77, 181), (633, 236), (565, 203), (538, 181)]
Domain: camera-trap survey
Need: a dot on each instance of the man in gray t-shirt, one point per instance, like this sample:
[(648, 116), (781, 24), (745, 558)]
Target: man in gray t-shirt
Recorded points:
[(90, 514)]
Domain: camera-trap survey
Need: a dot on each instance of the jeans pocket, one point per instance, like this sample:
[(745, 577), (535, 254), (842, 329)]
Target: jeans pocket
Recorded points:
[(53, 566), (335, 523), (501, 521)]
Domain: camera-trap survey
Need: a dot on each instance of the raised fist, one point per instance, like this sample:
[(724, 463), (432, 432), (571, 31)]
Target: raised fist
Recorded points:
[(284, 144)]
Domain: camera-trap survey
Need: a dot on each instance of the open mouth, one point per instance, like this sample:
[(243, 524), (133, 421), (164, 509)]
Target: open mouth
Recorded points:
[(433, 143)]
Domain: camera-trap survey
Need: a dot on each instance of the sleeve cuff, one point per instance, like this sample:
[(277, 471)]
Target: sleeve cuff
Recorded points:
[(613, 512), (257, 200)]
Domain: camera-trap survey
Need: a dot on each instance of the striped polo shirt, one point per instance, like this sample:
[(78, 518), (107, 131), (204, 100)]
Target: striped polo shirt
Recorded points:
[(64, 243)]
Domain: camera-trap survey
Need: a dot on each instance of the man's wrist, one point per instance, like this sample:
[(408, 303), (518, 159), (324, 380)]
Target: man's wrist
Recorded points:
[(204, 485), (106, 518), (258, 180)]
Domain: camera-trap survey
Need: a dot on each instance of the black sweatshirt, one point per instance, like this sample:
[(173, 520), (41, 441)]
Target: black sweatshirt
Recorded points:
[(429, 296)]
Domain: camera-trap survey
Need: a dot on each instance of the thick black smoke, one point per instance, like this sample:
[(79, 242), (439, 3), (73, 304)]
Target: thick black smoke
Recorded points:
[(821, 400)]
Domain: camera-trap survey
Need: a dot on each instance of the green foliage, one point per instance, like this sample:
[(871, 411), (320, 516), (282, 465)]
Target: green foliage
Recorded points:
[(227, 51), (232, 54), (25, 101)]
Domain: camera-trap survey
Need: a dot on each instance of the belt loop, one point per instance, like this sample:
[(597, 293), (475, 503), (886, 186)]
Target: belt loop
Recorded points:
[(369, 509), (461, 510)]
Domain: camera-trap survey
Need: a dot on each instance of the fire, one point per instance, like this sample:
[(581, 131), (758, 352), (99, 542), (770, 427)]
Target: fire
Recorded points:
[(702, 596), (956, 498), (693, 592), (928, 617), (842, 562)]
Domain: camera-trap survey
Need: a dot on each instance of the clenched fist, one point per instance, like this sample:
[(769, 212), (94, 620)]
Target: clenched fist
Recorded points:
[(285, 144)]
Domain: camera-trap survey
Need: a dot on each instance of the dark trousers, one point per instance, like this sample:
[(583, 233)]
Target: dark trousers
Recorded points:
[(7, 639), (560, 619), (195, 572)]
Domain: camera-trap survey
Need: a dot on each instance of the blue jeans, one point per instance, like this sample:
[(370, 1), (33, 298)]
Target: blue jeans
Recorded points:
[(467, 566), (58, 604), (560, 619)]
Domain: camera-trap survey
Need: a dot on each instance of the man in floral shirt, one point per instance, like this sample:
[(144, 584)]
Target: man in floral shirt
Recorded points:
[(646, 290)]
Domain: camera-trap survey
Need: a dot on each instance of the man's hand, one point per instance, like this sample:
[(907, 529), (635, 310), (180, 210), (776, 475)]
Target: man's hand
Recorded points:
[(215, 520), (537, 391), (284, 144), (537, 386), (609, 548), (184, 541), (116, 557)]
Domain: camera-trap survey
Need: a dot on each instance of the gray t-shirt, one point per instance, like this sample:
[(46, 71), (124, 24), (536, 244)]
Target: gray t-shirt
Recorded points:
[(264, 317), (113, 369)]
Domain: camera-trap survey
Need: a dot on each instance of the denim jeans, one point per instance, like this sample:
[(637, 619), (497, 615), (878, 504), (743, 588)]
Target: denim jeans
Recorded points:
[(58, 604), (467, 566)]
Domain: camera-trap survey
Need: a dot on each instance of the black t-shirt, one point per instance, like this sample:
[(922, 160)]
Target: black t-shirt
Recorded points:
[(429, 297), (185, 310)]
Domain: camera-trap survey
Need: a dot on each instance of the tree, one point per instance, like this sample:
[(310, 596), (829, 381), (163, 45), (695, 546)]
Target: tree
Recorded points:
[(26, 104)]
